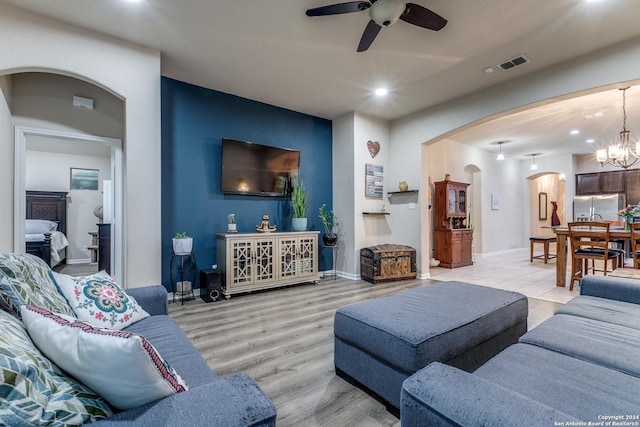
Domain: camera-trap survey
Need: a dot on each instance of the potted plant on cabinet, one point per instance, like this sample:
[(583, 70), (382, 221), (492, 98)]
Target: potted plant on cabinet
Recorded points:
[(231, 226), (330, 238), (182, 244), (299, 198)]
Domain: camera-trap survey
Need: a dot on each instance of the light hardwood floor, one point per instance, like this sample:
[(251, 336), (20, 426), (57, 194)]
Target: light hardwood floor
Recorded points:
[(283, 338)]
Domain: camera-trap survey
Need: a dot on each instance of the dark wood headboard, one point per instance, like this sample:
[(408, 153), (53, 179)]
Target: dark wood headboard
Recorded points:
[(50, 205)]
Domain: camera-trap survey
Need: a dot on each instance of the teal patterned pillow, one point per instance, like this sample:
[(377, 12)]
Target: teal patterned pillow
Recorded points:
[(25, 280), (99, 300), (34, 391)]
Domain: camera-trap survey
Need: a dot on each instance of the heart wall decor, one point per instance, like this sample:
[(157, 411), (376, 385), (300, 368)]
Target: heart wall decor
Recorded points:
[(373, 147)]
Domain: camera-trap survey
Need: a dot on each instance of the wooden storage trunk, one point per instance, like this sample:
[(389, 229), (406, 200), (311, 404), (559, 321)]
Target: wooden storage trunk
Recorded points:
[(386, 263)]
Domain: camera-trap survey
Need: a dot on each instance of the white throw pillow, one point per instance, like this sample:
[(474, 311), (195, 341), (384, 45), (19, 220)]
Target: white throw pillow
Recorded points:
[(99, 300), (39, 226), (123, 368)]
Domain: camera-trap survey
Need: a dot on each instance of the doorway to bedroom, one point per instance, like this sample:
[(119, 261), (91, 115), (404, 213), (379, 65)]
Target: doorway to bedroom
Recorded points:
[(68, 140)]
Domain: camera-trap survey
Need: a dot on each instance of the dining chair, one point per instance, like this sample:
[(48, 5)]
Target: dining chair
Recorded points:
[(589, 242), (635, 243), (617, 245)]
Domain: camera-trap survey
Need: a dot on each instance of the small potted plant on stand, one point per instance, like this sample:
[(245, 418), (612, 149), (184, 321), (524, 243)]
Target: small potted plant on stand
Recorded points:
[(182, 244), (231, 226), (329, 222), (299, 198)]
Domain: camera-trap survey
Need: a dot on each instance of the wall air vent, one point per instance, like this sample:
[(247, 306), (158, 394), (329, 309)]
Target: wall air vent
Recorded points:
[(513, 62), (79, 101)]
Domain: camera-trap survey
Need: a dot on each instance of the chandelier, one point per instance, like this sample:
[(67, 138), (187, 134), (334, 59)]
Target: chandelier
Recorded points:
[(621, 154)]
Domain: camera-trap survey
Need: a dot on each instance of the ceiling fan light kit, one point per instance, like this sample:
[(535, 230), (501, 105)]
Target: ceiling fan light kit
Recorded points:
[(383, 13)]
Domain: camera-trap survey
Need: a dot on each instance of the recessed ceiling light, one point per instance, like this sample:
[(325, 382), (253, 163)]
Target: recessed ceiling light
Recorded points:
[(590, 140), (575, 132), (381, 91), (488, 70)]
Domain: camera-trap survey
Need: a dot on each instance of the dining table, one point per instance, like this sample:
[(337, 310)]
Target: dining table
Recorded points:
[(562, 235)]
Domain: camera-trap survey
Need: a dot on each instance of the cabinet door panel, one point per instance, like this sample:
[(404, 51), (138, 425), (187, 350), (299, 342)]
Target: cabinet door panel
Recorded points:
[(632, 185), (241, 263), (587, 183), (612, 182), (264, 262), (287, 257), (307, 255)]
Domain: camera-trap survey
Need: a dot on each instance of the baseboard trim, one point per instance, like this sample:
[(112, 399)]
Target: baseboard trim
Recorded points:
[(79, 261)]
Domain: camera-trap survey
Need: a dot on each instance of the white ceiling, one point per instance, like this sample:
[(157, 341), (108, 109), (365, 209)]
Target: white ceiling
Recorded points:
[(270, 51)]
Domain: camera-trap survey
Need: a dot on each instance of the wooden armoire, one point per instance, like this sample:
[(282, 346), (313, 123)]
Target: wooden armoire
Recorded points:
[(452, 239)]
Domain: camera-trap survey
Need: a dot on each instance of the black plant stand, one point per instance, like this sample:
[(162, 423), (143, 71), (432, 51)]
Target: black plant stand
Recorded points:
[(186, 267), (332, 274)]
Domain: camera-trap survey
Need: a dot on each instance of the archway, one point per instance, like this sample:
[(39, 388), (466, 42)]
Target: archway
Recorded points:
[(546, 188), (43, 109)]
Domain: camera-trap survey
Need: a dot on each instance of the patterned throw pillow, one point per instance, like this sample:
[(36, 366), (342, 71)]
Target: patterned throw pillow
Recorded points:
[(25, 279), (99, 300), (34, 391), (122, 367)]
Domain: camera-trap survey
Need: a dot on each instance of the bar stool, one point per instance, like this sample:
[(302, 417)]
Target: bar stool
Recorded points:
[(545, 241)]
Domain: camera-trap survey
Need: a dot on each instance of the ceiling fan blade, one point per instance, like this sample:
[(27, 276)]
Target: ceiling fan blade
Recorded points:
[(336, 9), (423, 17), (369, 35)]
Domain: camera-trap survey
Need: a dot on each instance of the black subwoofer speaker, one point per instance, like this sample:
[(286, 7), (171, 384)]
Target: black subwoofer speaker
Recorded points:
[(210, 285)]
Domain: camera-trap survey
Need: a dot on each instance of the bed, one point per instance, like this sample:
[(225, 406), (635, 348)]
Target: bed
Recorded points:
[(46, 225)]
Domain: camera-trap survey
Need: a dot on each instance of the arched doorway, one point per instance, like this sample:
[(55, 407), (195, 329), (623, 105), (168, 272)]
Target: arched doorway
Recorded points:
[(545, 189), (43, 108)]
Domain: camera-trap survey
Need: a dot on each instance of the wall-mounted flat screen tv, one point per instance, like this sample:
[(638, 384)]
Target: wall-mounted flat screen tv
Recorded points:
[(256, 169)]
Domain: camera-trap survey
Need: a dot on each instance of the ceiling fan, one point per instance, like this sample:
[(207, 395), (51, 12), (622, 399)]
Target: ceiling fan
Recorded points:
[(383, 13)]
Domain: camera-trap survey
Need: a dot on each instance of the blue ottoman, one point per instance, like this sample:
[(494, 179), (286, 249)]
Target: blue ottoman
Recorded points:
[(381, 342)]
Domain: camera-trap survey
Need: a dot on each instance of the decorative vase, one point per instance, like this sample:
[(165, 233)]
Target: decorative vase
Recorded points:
[(330, 239), (555, 220), (299, 224), (627, 224), (182, 246), (403, 186), (232, 228)]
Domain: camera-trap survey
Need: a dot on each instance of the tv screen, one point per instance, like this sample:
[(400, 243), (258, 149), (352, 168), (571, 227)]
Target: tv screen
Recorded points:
[(257, 169)]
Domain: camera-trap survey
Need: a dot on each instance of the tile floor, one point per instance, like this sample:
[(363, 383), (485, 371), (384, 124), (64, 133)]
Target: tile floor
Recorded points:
[(511, 270)]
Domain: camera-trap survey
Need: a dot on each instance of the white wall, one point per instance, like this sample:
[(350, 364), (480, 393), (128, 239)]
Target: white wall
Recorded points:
[(50, 171), (45, 100), (343, 184), (6, 171), (30, 42), (370, 230)]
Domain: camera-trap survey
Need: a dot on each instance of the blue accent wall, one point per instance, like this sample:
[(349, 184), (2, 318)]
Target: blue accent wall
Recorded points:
[(194, 121)]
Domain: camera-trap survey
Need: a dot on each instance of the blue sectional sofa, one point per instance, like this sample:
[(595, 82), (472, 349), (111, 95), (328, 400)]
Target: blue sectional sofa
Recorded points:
[(580, 366), (210, 401), (34, 391)]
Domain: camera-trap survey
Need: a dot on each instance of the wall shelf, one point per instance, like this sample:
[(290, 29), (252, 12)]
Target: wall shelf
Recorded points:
[(375, 213), (393, 193)]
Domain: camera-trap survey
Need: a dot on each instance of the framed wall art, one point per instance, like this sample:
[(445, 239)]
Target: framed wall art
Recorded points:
[(542, 206), (84, 179), (374, 181)]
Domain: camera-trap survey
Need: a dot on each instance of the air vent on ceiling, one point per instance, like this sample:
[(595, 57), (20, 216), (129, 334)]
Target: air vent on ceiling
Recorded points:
[(513, 62)]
